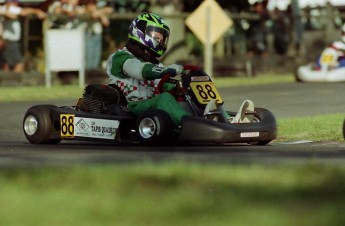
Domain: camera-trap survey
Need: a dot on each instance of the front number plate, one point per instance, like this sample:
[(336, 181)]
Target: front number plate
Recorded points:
[(205, 91)]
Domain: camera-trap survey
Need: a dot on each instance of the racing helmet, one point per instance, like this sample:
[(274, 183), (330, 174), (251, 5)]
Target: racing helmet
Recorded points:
[(343, 33), (151, 31)]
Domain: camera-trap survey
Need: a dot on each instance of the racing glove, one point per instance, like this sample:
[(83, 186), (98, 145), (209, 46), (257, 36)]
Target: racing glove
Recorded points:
[(152, 71), (172, 70)]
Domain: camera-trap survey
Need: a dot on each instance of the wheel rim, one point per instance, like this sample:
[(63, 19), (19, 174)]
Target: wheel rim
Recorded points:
[(256, 119), (30, 125), (147, 128)]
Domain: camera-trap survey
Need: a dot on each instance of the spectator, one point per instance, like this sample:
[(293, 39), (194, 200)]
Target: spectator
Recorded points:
[(12, 34), (64, 14), (93, 32), (257, 30), (281, 31), (168, 6), (3, 13)]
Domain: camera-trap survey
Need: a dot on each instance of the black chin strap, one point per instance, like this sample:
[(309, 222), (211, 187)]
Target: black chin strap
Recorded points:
[(140, 52)]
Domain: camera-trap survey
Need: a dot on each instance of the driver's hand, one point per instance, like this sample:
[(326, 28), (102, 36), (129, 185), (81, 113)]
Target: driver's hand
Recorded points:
[(173, 70)]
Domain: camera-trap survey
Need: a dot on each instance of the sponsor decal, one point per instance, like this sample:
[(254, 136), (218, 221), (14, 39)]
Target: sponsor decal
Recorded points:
[(200, 79), (250, 134), (95, 128)]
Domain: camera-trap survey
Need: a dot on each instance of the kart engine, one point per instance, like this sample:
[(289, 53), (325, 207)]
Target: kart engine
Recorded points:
[(98, 98)]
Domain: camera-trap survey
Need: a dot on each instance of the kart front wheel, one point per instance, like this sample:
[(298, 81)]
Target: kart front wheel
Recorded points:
[(155, 127), (38, 127), (267, 118)]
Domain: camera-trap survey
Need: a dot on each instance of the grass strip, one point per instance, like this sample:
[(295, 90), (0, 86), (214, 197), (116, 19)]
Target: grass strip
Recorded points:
[(316, 128), (58, 92), (256, 80), (40, 93), (174, 194)]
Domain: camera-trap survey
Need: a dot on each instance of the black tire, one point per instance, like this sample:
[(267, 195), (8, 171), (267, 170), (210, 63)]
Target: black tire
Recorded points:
[(297, 79), (265, 116), (155, 127), (263, 142), (38, 127)]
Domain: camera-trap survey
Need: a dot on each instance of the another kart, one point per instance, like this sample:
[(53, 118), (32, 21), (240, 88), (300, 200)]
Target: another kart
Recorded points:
[(326, 69), (101, 115)]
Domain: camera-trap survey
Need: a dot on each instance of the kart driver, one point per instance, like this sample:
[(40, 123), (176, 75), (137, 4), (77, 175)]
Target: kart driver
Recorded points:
[(334, 55), (136, 70)]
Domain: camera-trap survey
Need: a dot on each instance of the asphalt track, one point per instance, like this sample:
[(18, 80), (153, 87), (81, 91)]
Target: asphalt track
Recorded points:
[(284, 100)]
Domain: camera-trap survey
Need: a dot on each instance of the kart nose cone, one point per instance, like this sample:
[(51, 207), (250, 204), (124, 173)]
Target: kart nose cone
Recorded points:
[(30, 125)]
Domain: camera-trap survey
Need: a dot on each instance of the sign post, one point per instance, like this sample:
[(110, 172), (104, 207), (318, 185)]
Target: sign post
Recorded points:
[(208, 22), (208, 55)]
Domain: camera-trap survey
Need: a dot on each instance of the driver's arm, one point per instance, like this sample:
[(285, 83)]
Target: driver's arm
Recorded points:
[(126, 65), (147, 71), (142, 70)]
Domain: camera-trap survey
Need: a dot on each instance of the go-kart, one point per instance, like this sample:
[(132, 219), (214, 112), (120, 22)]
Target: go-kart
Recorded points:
[(326, 69), (101, 115)]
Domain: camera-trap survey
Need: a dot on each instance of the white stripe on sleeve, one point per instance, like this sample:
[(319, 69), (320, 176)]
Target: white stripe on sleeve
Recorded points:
[(133, 68)]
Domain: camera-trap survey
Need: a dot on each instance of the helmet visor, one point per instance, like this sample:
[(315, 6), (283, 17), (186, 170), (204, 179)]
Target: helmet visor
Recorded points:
[(160, 35)]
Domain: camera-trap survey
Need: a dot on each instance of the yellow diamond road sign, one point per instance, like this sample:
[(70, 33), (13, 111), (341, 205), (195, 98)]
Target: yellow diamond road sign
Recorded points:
[(208, 21)]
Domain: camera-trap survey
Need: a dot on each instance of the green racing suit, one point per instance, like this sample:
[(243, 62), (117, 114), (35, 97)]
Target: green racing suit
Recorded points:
[(138, 81)]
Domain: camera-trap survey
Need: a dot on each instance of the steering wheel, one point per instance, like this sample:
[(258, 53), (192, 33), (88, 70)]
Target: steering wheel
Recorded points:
[(166, 77)]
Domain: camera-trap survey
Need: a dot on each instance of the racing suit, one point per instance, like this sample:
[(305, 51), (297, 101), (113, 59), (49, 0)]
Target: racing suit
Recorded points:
[(333, 56), (138, 80)]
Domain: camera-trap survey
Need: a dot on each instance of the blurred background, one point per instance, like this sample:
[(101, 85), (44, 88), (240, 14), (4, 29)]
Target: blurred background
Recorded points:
[(273, 36)]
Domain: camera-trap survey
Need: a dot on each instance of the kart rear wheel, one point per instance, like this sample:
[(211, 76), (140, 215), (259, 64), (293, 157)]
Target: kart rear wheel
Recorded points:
[(155, 127), (38, 127)]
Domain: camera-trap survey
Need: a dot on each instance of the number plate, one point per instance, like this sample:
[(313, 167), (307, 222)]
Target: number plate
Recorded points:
[(205, 91), (327, 59), (67, 125)]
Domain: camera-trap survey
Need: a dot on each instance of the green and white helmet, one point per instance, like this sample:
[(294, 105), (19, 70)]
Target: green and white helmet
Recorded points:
[(150, 31)]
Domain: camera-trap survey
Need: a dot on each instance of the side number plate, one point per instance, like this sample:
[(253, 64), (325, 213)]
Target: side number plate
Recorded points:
[(67, 125)]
